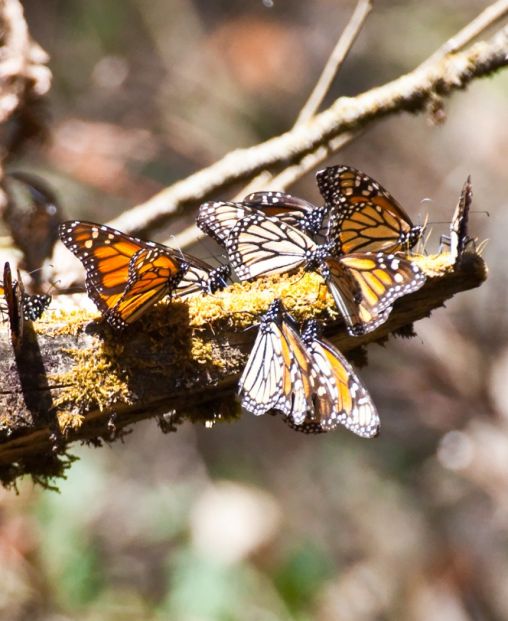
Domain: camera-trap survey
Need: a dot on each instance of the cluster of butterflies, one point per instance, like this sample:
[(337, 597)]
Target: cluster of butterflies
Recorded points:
[(358, 241)]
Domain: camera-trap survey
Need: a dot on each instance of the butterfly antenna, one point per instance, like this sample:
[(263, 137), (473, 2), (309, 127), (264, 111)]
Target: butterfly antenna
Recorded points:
[(177, 248), (424, 241), (483, 211)]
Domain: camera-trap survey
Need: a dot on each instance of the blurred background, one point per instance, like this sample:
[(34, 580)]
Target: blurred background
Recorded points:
[(251, 520)]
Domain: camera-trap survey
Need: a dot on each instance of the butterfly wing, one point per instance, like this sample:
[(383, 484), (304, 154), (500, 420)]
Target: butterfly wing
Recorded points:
[(339, 397), (352, 405), (261, 246), (217, 218), (105, 253), (201, 277), (297, 398), (289, 209), (363, 215), (380, 280), (458, 228), (124, 275), (266, 373), (153, 274), (13, 295)]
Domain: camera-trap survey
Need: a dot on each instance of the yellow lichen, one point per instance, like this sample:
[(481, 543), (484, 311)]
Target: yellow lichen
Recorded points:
[(69, 420), (100, 376), (96, 381), (202, 352), (304, 294), (61, 322), (435, 265)]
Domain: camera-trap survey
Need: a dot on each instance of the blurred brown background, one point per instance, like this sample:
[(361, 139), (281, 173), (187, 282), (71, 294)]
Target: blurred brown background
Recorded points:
[(250, 520)]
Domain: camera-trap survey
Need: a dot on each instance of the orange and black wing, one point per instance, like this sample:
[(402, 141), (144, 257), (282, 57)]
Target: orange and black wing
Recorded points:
[(298, 391), (365, 286), (363, 217), (153, 274), (340, 398), (124, 275)]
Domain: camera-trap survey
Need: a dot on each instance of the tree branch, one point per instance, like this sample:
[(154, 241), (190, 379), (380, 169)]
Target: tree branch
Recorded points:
[(487, 18), (283, 180), (337, 57), (410, 93)]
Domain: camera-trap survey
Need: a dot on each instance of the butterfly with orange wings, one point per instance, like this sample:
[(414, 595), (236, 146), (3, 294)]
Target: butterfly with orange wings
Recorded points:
[(363, 285), (217, 218), (125, 276), (306, 379), (362, 215)]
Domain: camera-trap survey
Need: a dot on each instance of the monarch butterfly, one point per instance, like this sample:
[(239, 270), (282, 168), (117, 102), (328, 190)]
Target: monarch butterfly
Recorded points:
[(363, 216), (32, 306), (125, 275), (364, 285), (379, 280), (277, 373), (13, 295), (458, 238), (340, 398), (217, 218), (305, 378)]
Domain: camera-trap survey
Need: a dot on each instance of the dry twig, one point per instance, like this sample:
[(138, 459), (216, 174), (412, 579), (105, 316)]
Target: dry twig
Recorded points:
[(410, 93), (291, 174)]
